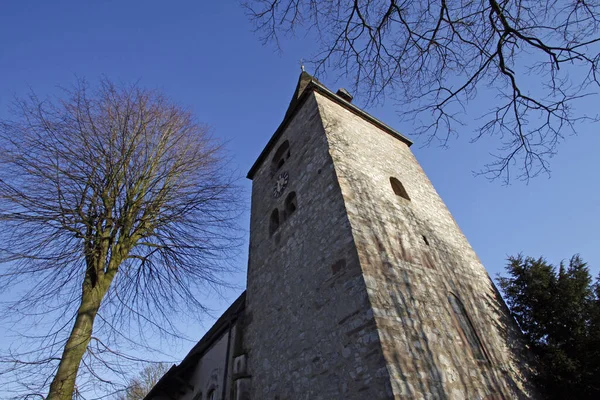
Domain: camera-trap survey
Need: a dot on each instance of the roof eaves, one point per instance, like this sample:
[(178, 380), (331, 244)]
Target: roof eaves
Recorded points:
[(361, 113), (230, 315)]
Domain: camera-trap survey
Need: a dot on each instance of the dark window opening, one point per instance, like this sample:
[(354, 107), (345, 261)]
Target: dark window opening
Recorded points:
[(466, 327), (398, 188), (280, 157), (291, 204), (274, 221)]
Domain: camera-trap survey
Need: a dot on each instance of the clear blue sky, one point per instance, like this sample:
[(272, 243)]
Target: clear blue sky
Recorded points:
[(204, 55)]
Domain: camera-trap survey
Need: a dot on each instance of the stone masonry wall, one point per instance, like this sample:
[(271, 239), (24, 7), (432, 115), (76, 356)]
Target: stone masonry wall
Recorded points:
[(413, 255), (310, 332)]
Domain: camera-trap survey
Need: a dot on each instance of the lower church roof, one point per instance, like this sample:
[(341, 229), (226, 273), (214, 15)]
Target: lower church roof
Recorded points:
[(178, 375)]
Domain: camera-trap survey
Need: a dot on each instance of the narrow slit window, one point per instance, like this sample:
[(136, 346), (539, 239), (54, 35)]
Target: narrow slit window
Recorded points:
[(467, 328), (281, 156), (290, 204), (274, 222), (398, 188)]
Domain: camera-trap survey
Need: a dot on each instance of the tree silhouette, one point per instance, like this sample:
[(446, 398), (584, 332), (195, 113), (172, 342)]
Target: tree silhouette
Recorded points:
[(116, 214), (559, 314)]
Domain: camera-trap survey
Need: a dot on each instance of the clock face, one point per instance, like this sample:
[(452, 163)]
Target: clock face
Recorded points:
[(280, 184)]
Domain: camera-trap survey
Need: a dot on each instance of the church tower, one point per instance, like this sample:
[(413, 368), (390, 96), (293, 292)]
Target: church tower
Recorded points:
[(360, 283)]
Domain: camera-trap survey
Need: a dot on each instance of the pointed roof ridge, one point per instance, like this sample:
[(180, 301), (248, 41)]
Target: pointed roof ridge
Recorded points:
[(303, 81), (308, 83)]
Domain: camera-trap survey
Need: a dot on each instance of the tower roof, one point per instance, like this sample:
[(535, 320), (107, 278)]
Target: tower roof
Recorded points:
[(304, 80), (306, 84)]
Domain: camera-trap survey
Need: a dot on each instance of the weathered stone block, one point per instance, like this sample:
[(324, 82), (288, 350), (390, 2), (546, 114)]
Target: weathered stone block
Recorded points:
[(240, 367)]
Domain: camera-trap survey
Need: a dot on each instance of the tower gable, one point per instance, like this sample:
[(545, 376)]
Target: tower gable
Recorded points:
[(307, 84)]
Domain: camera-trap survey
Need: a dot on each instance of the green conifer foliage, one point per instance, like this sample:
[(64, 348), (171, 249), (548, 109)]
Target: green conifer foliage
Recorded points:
[(558, 310)]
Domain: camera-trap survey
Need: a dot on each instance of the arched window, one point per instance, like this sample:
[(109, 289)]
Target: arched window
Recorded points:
[(290, 204), (274, 221), (466, 327), (398, 188), (280, 157), (212, 395)]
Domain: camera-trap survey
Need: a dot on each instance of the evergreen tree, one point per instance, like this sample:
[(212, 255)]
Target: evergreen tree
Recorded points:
[(558, 310)]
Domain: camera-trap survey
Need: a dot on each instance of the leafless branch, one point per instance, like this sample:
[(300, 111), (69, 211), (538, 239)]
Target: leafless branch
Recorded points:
[(537, 58), (117, 212)]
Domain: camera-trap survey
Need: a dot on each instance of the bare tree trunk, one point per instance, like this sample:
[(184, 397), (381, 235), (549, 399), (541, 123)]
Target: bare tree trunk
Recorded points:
[(63, 384), (87, 182)]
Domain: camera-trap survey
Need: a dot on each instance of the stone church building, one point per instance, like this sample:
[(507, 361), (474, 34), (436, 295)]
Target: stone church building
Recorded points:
[(360, 283)]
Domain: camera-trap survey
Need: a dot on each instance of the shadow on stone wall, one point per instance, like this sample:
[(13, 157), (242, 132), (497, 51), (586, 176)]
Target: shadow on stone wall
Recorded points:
[(411, 268)]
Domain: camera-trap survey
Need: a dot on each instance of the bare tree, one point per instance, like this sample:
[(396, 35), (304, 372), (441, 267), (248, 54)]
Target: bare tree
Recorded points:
[(537, 57), (141, 385), (116, 213)]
